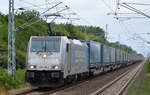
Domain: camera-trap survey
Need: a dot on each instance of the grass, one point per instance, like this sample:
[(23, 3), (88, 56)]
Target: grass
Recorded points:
[(141, 85), (7, 83)]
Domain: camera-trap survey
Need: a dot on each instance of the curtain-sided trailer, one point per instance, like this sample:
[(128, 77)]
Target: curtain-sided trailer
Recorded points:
[(103, 58), (94, 52)]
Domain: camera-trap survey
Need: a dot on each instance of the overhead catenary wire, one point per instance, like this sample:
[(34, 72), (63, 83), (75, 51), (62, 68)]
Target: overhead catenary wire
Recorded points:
[(144, 4), (108, 6), (124, 29), (31, 6), (28, 24), (118, 14), (135, 35), (128, 6), (79, 16), (42, 14), (127, 17), (141, 38), (134, 9), (34, 5), (37, 7), (127, 31)]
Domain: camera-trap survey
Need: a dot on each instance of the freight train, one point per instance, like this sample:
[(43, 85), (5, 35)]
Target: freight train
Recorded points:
[(55, 60)]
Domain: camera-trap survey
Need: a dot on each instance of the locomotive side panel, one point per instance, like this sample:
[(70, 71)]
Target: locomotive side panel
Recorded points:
[(113, 55), (79, 60), (106, 55)]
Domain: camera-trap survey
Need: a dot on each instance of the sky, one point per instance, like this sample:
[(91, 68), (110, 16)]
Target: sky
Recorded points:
[(95, 12)]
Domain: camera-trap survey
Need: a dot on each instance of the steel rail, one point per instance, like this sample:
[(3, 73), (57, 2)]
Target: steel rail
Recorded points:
[(109, 84), (122, 90), (99, 91)]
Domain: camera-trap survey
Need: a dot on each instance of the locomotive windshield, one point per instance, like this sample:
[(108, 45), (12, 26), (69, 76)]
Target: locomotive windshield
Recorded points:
[(45, 45)]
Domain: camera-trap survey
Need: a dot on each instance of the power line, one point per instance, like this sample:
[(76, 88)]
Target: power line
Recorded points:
[(126, 17), (31, 20), (134, 9), (46, 15), (128, 6), (107, 6), (138, 4), (79, 16)]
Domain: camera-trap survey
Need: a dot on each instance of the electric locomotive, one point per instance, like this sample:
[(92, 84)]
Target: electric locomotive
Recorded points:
[(54, 60)]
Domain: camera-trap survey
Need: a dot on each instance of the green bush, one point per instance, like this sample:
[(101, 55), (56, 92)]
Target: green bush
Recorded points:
[(7, 82), (148, 65)]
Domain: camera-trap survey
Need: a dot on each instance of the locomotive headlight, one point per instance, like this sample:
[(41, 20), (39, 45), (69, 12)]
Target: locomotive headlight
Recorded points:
[(44, 56), (32, 66), (56, 67)]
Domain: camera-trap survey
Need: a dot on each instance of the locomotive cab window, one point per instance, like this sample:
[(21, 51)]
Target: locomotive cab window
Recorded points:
[(37, 45), (45, 45)]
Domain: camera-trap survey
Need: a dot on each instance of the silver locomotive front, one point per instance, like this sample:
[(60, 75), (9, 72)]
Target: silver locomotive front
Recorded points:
[(44, 66)]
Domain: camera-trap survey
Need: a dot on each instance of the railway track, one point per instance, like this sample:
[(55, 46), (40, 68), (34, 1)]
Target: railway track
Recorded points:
[(48, 91), (88, 87), (84, 87), (113, 88), (44, 91), (25, 92)]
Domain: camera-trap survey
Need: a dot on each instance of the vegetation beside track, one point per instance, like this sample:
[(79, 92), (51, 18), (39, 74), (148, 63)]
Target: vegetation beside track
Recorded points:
[(141, 85), (7, 83)]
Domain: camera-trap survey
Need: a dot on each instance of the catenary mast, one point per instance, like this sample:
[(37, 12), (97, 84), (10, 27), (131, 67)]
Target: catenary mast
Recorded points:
[(11, 66)]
